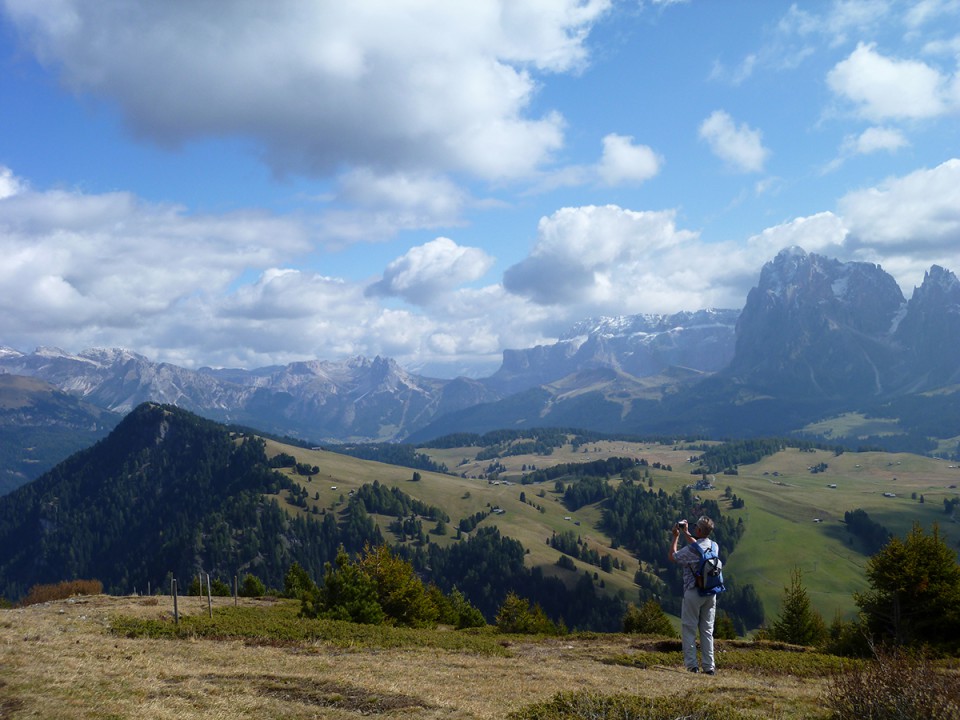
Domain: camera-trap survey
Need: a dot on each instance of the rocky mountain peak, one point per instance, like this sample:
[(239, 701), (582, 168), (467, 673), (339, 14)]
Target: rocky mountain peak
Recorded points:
[(817, 326), (938, 283), (929, 332)]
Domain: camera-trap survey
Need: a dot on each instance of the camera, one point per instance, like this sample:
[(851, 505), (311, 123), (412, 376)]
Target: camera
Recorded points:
[(682, 524)]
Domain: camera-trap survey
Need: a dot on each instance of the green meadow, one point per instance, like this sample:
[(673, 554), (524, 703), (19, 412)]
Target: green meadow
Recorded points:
[(794, 518)]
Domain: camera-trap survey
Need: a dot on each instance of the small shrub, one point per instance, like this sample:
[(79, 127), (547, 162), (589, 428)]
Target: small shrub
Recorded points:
[(297, 583), (724, 629), (896, 686), (282, 623), (218, 588), (516, 615), (847, 639), (649, 619), (252, 586), (594, 706), (61, 591)]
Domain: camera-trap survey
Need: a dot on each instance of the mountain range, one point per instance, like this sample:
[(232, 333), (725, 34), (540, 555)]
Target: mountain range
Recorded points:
[(364, 399), (816, 338)]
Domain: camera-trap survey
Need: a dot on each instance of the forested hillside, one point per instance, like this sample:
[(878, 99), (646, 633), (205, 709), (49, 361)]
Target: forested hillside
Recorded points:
[(166, 494), (169, 494)]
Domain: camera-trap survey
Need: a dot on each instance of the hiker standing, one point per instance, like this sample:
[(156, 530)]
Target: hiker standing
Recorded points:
[(699, 609)]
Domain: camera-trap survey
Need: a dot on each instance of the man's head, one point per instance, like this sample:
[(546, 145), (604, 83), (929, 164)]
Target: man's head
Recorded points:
[(703, 527)]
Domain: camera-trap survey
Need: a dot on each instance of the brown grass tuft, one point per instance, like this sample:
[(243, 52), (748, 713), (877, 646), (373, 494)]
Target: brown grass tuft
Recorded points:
[(61, 591)]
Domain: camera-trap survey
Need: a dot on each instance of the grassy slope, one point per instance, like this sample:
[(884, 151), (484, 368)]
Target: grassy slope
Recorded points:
[(779, 514), (60, 661)]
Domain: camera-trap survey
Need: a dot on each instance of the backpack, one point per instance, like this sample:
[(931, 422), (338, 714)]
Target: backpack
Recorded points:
[(709, 574)]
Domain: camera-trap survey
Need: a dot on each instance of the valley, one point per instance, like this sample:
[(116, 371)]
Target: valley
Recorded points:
[(793, 518)]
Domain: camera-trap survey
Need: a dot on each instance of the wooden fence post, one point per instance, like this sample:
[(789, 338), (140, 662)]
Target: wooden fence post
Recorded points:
[(209, 598), (236, 591), (176, 611)]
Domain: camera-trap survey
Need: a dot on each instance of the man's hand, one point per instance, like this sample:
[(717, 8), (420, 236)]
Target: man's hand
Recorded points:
[(673, 545)]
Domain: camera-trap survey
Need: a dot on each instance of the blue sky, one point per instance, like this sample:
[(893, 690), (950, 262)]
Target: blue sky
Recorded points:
[(249, 183)]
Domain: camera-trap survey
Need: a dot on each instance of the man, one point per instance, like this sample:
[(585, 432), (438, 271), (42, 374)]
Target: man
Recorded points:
[(698, 611)]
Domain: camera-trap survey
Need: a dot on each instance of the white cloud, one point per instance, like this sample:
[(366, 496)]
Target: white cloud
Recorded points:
[(837, 21), (823, 233), (609, 260), (877, 139), (741, 147), (737, 75), (369, 207), (872, 140), (96, 264), (917, 214), (906, 224), (883, 88), (430, 270), (922, 12), (411, 86), (10, 184), (623, 161), (84, 270)]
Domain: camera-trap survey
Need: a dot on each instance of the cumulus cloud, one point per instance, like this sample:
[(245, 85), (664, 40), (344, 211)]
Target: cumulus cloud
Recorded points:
[(9, 183), (609, 260), (918, 213), (84, 270), (432, 269), (623, 161), (823, 233), (107, 261), (741, 147), (883, 88), (400, 86)]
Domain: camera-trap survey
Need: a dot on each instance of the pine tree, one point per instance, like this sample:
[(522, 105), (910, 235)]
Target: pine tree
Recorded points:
[(297, 582), (915, 583), (399, 591), (798, 622), (347, 594)]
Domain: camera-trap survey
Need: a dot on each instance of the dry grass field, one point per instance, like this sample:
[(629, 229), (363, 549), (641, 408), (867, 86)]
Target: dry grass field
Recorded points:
[(60, 660)]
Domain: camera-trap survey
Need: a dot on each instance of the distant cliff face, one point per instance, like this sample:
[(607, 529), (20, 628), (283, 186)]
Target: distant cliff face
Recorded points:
[(815, 327), (638, 345), (929, 332), (355, 400)]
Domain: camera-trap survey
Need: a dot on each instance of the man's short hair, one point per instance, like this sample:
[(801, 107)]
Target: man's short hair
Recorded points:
[(705, 525)]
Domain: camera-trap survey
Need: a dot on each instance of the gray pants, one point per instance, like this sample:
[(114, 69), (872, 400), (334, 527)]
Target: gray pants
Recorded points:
[(698, 613)]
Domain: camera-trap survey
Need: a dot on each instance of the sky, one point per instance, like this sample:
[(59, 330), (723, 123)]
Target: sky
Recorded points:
[(242, 184)]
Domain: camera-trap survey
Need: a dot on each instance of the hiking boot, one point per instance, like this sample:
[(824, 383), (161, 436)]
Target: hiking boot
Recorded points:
[(710, 672), (694, 669)]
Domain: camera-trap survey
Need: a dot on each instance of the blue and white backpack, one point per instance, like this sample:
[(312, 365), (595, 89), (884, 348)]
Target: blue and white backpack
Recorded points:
[(709, 574)]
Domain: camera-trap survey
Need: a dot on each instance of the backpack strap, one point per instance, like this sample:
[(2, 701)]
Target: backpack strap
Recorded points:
[(700, 550)]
